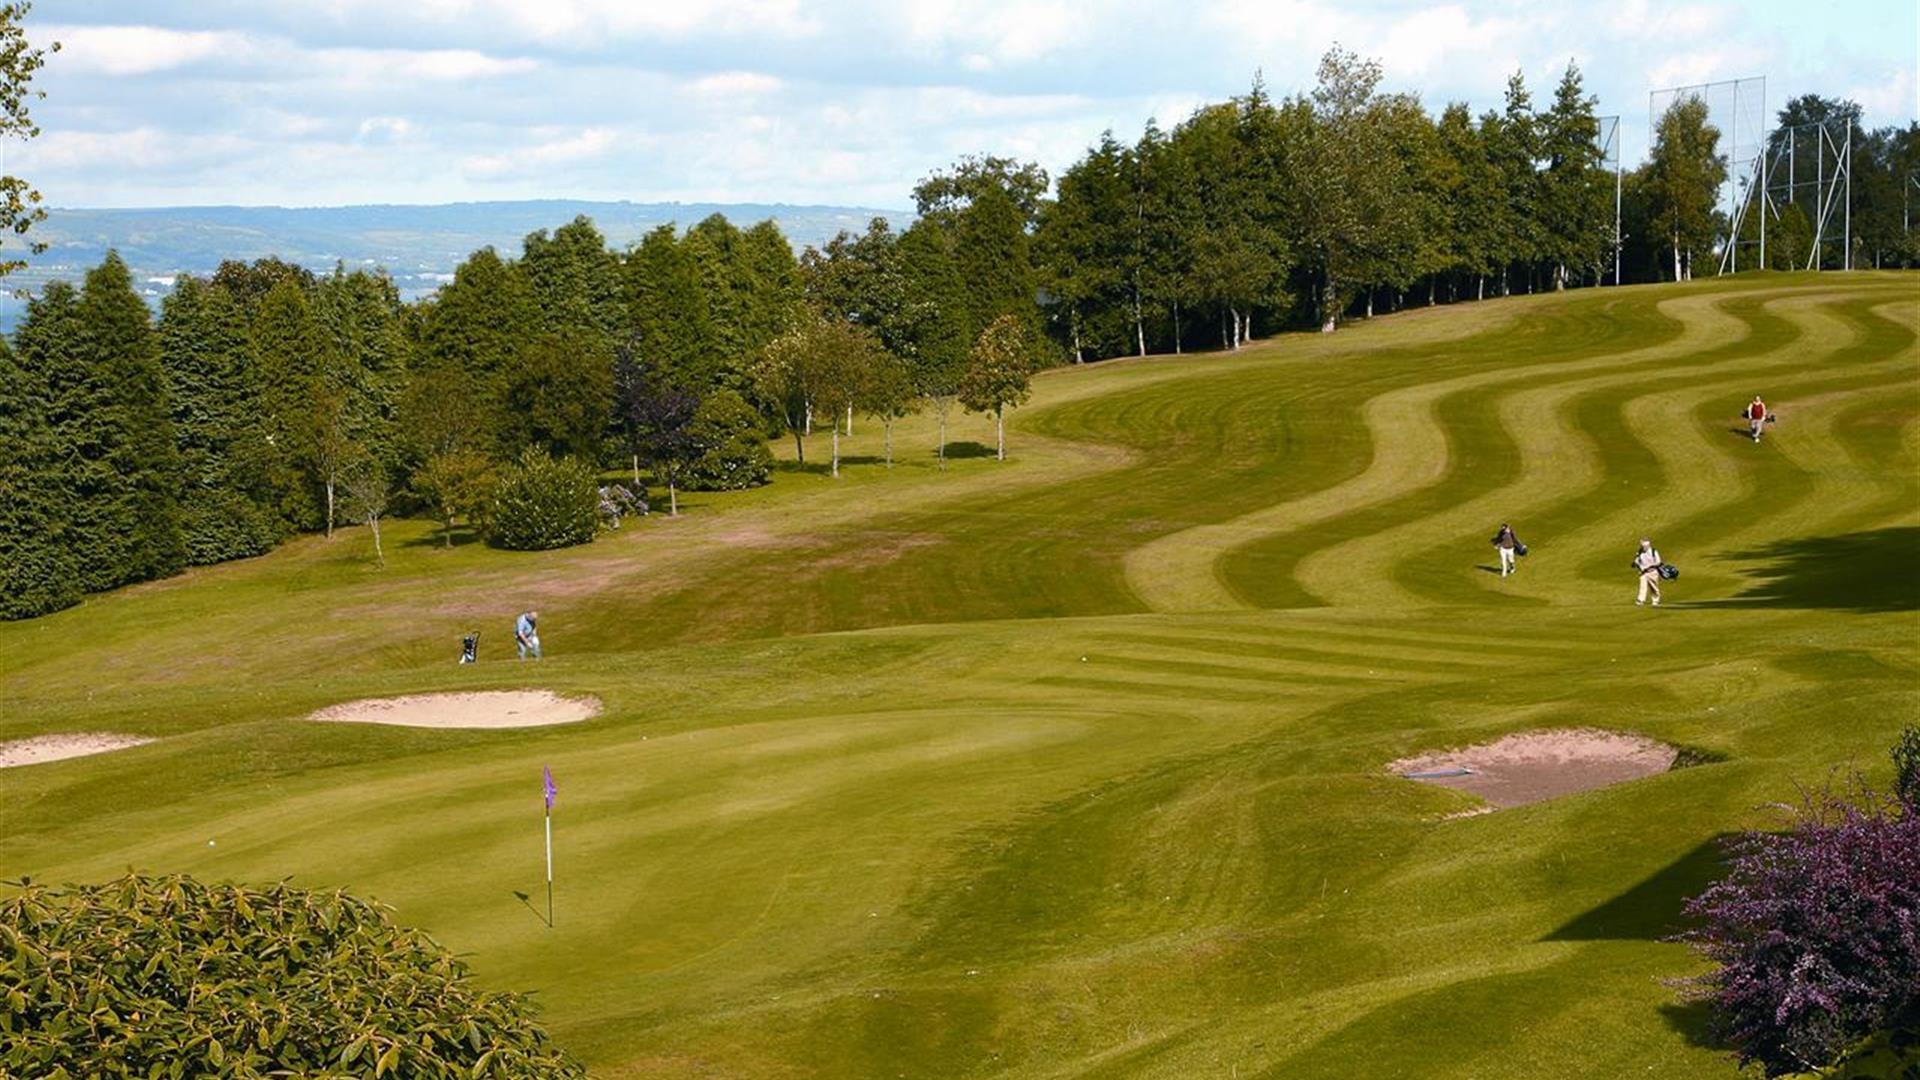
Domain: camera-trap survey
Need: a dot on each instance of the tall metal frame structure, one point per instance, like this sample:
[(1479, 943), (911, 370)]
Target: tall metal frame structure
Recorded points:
[(1737, 108), (1828, 144), (1609, 142)]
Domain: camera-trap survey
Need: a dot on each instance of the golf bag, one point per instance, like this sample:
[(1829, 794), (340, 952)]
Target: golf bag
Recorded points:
[(1520, 550), (470, 648), (1668, 571)]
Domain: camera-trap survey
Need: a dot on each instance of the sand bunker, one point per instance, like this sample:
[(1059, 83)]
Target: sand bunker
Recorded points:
[(41, 748), (480, 709), (1536, 765)]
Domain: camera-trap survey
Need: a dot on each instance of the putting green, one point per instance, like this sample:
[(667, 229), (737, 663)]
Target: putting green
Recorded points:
[(1075, 765)]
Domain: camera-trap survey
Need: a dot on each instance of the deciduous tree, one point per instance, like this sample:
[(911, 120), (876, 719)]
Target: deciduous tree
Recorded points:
[(999, 374)]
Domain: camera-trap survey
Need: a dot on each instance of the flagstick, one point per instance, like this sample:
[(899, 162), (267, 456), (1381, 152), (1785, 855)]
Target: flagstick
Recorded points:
[(549, 868)]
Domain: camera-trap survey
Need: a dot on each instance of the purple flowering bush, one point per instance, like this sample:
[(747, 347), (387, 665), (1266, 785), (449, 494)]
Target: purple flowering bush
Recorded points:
[(1816, 933)]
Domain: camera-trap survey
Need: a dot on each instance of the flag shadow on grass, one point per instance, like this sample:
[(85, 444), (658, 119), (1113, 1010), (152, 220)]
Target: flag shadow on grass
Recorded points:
[(1655, 908), (1873, 571)]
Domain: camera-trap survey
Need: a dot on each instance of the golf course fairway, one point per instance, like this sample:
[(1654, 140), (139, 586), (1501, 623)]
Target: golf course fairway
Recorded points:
[(1075, 765)]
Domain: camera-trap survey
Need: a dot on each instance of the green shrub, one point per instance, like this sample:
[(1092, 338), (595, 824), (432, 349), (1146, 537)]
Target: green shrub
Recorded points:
[(542, 503), (221, 525), (1906, 768), (734, 454), (167, 976)]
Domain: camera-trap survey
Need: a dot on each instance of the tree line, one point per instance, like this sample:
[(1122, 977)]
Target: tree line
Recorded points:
[(266, 401)]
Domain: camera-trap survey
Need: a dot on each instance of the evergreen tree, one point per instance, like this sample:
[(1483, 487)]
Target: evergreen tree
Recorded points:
[(215, 394), (1576, 200), (858, 279), (249, 283), (776, 295), (365, 324), (932, 333), (559, 393), (37, 571), (668, 307), (479, 320), (300, 410), (1513, 151), (713, 247), (576, 281), (135, 532)]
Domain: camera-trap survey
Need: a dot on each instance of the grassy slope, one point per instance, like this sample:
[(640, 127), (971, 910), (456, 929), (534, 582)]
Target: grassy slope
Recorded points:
[(1072, 766)]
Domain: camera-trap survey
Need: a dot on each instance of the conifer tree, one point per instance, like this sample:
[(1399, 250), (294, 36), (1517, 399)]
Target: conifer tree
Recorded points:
[(36, 554), (576, 281), (137, 534), (298, 410), (668, 307), (215, 395), (1576, 211)]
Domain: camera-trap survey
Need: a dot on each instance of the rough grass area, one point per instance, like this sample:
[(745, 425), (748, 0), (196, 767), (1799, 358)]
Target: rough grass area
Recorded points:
[(1072, 766)]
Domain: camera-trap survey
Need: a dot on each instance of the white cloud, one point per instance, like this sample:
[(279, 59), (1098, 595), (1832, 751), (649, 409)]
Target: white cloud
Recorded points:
[(735, 85), (386, 129), (564, 150), (140, 50)]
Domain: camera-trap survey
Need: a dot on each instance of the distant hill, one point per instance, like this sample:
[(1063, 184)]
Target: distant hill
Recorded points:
[(418, 245)]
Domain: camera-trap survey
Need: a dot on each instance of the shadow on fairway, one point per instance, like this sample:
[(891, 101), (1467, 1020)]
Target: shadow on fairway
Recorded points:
[(969, 450), (1694, 1020), (1878, 570), (462, 536), (1653, 909)]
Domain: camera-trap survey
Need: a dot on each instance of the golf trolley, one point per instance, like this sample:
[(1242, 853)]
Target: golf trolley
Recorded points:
[(470, 647)]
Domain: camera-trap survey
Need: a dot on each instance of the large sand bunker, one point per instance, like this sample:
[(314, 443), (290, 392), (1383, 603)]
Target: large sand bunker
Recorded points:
[(39, 748), (478, 709), (1536, 765)]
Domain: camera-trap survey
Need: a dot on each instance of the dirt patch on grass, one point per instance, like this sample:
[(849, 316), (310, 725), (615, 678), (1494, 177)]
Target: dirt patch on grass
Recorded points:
[(480, 709), (39, 748), (1536, 765)]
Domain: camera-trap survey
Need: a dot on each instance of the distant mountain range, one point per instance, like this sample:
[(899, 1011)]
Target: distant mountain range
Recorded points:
[(418, 245)]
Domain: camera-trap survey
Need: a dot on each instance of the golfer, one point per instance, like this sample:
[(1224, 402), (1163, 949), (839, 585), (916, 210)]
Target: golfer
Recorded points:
[(1756, 417), (1505, 543), (1647, 562), (526, 634)]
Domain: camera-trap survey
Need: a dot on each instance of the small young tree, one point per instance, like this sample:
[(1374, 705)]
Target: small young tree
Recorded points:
[(457, 483), (779, 377), (657, 415), (330, 447), (999, 374), (369, 488), (889, 394)]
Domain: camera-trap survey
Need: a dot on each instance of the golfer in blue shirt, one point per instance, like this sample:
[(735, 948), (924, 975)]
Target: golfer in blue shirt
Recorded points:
[(526, 634)]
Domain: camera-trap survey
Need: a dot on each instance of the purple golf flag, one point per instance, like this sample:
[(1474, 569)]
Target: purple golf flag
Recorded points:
[(546, 785)]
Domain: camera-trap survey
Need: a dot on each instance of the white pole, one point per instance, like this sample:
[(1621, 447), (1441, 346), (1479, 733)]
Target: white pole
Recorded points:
[(549, 869)]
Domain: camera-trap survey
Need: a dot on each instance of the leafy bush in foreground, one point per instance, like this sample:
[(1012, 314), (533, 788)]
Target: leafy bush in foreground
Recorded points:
[(166, 976), (542, 503), (1816, 932)]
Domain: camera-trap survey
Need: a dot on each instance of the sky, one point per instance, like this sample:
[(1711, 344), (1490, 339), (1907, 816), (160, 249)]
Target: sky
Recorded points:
[(334, 102)]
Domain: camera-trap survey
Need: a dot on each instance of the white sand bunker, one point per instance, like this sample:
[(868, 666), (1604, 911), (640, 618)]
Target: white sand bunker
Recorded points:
[(39, 748), (479, 709), (1536, 765)]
